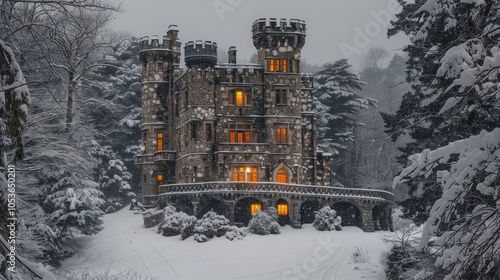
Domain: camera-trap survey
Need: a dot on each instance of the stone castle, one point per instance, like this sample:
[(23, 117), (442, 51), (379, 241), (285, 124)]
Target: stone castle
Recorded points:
[(230, 137)]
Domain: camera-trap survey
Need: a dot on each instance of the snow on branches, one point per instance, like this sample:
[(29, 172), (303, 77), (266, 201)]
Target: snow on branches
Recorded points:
[(466, 219)]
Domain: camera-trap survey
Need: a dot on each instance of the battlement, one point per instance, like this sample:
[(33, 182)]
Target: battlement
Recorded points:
[(271, 33), (272, 25), (201, 54), (169, 41)]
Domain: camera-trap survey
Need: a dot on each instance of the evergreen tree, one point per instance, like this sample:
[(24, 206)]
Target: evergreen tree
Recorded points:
[(444, 43), (337, 105)]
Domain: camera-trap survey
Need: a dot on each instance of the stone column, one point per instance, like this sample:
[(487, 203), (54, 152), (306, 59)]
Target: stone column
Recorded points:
[(230, 211), (367, 218), (295, 217)]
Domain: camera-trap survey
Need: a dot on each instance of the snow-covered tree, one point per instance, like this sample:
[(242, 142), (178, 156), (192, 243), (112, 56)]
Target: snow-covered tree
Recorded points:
[(337, 106), (326, 219), (113, 177), (178, 223), (210, 225), (265, 222)]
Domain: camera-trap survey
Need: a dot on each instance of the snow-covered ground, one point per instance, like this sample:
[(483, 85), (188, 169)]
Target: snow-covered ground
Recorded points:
[(294, 254)]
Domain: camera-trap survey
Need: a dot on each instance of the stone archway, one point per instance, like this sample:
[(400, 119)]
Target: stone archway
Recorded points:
[(307, 209), (351, 215), (243, 210), (210, 204)]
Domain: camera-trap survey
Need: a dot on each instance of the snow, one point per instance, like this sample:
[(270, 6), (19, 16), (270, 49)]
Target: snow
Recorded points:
[(294, 254)]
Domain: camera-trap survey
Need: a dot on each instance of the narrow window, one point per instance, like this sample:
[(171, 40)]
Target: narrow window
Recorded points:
[(159, 178), (207, 171), (159, 141), (278, 63), (282, 209), (285, 66), (282, 176), (281, 135), (239, 98), (208, 131), (272, 65), (194, 130), (280, 96), (254, 207)]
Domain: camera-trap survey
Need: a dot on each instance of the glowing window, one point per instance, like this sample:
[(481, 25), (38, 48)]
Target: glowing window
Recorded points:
[(285, 66), (159, 141), (239, 97), (282, 176), (159, 177), (281, 135), (282, 209), (254, 207), (272, 65), (245, 174), (240, 132), (278, 65)]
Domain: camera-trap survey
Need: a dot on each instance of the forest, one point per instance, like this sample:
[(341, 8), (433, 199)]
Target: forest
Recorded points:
[(424, 124)]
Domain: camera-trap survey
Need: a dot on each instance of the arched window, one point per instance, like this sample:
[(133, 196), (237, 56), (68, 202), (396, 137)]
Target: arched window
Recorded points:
[(282, 176)]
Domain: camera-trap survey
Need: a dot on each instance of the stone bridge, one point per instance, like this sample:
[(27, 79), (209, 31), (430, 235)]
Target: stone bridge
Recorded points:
[(368, 209)]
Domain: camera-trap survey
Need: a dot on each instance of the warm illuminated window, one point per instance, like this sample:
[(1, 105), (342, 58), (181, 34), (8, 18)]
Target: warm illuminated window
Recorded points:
[(159, 177), (281, 135), (254, 207), (245, 174), (285, 66), (159, 141), (282, 176), (282, 209), (239, 97), (272, 65), (240, 132), (278, 65), (280, 96)]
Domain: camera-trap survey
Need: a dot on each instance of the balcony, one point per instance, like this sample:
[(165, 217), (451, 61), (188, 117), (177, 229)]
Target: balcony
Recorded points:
[(243, 147), (164, 156)]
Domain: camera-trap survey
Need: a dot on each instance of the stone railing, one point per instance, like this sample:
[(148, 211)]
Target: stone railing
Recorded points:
[(270, 187), (243, 147), (164, 155), (143, 159)]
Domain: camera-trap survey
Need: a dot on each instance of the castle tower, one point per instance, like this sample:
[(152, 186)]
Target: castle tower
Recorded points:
[(160, 60), (200, 54)]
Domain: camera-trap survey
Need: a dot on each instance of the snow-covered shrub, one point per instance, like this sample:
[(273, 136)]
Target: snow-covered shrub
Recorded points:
[(178, 223), (167, 211), (265, 222), (210, 225), (152, 217), (327, 219), (236, 233)]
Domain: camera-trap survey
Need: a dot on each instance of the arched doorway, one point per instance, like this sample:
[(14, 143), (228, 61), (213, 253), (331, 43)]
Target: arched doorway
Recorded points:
[(351, 216), (244, 210), (281, 174), (283, 212), (307, 209), (211, 204)]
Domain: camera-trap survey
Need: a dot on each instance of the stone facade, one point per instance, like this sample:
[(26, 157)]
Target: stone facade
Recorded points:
[(248, 124)]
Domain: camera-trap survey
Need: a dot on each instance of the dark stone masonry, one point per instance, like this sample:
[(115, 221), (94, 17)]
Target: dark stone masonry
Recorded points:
[(236, 138)]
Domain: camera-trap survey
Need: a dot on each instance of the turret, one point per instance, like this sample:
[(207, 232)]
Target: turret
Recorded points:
[(200, 54), (279, 43)]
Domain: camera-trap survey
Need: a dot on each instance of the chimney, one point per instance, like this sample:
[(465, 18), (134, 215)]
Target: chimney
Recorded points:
[(231, 55)]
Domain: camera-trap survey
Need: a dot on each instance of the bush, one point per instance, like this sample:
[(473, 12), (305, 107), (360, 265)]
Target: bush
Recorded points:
[(265, 222), (327, 219), (178, 223), (167, 211), (236, 233), (152, 217), (210, 225)]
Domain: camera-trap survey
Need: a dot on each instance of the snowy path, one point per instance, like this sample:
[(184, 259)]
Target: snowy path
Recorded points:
[(293, 254)]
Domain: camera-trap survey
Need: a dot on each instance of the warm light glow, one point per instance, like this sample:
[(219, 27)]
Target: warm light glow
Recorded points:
[(159, 177), (282, 209), (272, 66), (282, 176), (239, 133), (254, 207), (239, 98), (245, 174), (281, 135), (159, 141), (284, 65), (277, 65)]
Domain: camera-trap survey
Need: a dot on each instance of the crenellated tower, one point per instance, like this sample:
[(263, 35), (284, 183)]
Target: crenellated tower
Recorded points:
[(200, 54), (160, 58)]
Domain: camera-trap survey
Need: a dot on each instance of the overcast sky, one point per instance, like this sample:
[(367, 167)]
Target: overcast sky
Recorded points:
[(335, 29)]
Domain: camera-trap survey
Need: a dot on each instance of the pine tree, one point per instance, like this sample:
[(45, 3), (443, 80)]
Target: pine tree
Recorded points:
[(337, 105)]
